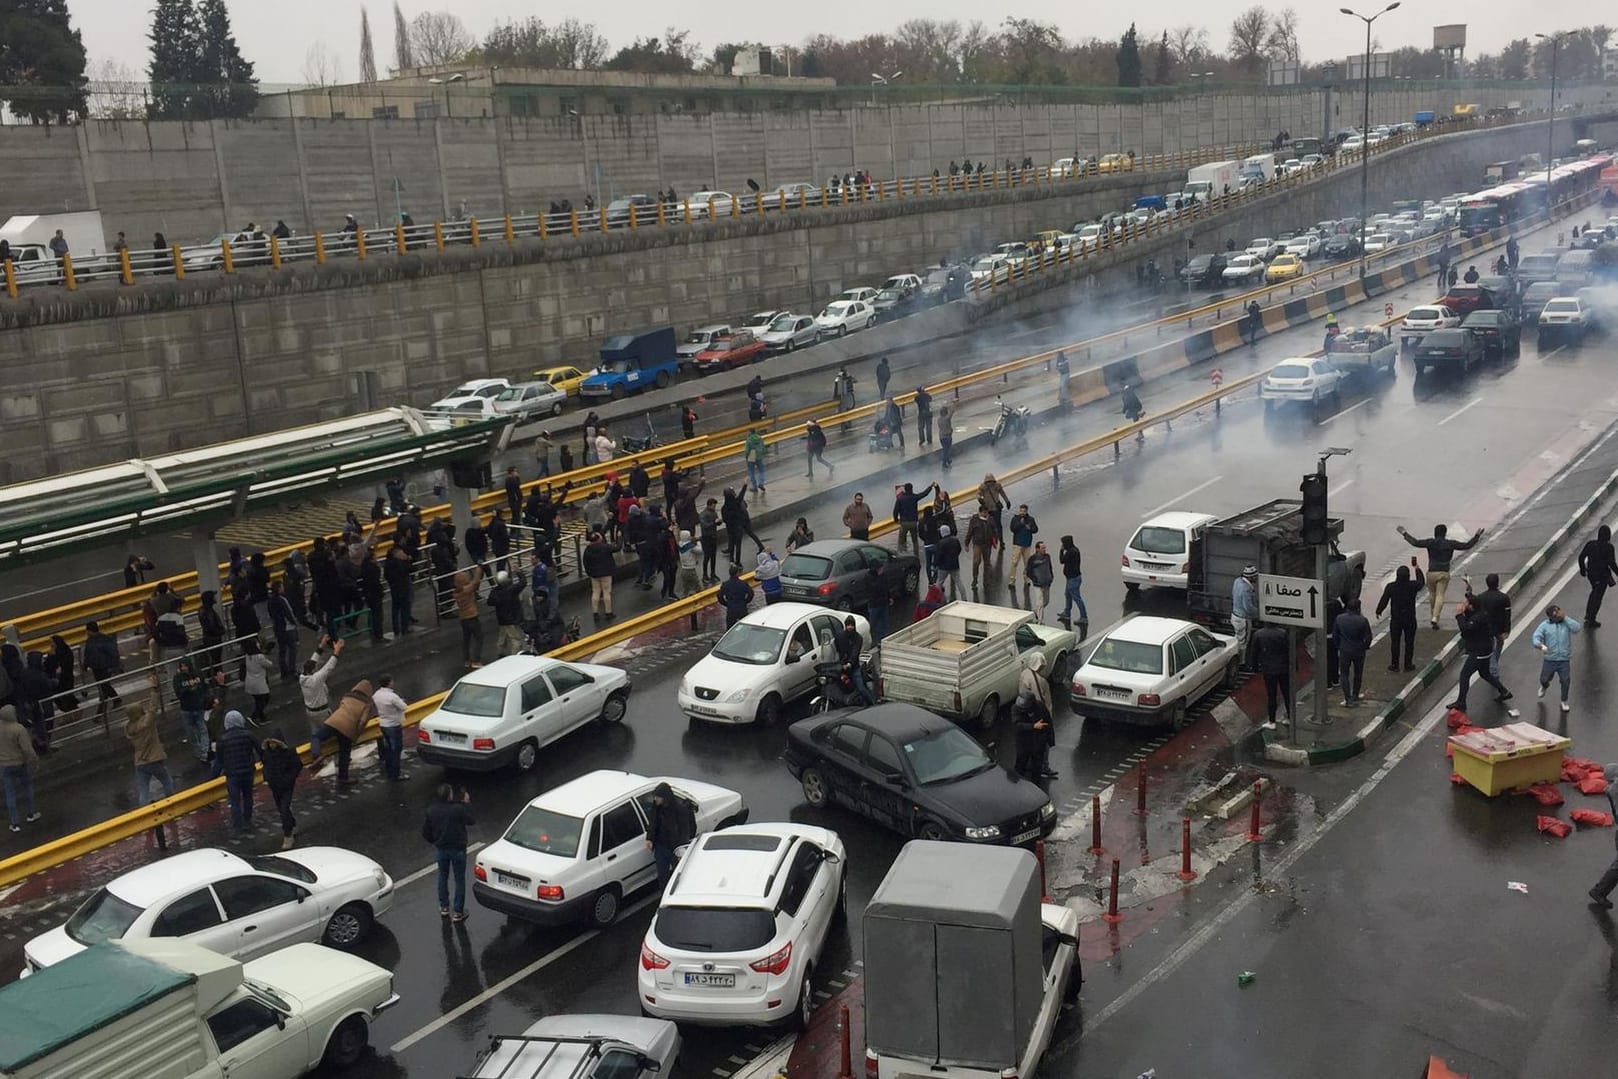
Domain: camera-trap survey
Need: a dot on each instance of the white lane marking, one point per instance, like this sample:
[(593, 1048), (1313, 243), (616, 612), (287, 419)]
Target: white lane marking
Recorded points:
[(1458, 411), (1344, 412), (1283, 864), (429, 870), (1181, 497), (510, 980), (1340, 488)]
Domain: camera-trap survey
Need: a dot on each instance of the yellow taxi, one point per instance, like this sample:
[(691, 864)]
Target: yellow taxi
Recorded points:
[(1283, 268), (566, 379), (1046, 240), (1116, 163)]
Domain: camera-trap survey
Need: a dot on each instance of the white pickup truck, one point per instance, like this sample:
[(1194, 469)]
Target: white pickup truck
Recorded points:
[(963, 661), (163, 1008), (1366, 349)]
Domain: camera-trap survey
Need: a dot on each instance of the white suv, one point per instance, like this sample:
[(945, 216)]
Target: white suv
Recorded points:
[(576, 851), (740, 928), (503, 714)]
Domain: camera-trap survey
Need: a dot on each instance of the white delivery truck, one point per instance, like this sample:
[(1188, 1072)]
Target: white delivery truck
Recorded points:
[(966, 971), (1260, 167), (163, 1008), (963, 661), (1212, 180)]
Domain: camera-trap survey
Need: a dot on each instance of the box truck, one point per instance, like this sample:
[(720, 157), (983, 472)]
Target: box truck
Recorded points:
[(1212, 180)]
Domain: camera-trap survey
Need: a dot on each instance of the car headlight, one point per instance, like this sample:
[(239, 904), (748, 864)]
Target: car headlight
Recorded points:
[(737, 697), (1047, 811), (988, 832), (380, 877)]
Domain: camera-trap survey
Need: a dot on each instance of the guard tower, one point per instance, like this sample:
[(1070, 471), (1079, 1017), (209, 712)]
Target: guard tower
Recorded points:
[(1450, 43)]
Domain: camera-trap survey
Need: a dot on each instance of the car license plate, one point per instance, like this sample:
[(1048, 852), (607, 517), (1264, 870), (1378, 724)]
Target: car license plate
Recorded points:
[(701, 710), (1026, 837), (711, 981), (450, 737), (1112, 694), (510, 881)]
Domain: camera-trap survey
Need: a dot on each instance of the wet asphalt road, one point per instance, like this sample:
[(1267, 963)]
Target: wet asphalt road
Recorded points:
[(1425, 450)]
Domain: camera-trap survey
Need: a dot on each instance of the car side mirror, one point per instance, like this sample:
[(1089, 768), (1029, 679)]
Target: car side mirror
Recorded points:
[(647, 1064), (895, 777), (830, 857), (280, 1021), (793, 657)]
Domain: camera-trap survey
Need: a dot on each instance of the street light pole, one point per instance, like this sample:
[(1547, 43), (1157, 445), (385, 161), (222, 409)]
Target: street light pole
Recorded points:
[(1365, 126), (1550, 137)]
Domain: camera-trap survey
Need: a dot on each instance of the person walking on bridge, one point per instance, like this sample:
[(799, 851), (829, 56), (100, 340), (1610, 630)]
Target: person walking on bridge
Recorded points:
[(884, 373), (924, 417)]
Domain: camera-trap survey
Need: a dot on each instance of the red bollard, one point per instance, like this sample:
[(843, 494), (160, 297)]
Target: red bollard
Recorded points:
[(1039, 856), (1112, 917), (1186, 872), (1140, 791), (1253, 830), (845, 1068), (1095, 826)]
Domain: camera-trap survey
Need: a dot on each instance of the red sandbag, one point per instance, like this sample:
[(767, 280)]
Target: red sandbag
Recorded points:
[(1592, 818), (1594, 783), (1456, 720), (1458, 779), (1575, 768), (1546, 794), (1552, 826)]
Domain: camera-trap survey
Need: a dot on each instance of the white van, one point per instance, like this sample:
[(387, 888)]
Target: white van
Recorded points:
[(1159, 553)]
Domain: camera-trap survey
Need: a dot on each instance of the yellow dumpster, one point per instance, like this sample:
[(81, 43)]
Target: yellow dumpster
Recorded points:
[(1508, 758)]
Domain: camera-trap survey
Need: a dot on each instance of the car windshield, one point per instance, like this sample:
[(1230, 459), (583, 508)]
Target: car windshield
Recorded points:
[(1132, 656), (1291, 370), (698, 337), (1426, 313), (617, 367), (1482, 318), (514, 393), (893, 293), (723, 344), (102, 917), (471, 699), (715, 929), (983, 264), (944, 756), (835, 310), (1156, 540), (1540, 290), (546, 831), (785, 323), (757, 645), (1567, 307), (806, 567), (283, 867)]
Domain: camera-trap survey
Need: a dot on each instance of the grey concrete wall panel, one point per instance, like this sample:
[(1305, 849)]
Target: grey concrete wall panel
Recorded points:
[(156, 176), (261, 174), (402, 150), (788, 158), (44, 171), (471, 167), (688, 151), (339, 172)]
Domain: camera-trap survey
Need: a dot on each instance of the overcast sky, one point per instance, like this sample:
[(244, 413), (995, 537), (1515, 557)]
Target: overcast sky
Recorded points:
[(276, 34)]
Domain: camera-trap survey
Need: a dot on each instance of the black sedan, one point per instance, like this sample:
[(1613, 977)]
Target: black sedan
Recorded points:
[(915, 773), (1499, 332), (1455, 350), (1339, 246), (844, 573), (1203, 271)]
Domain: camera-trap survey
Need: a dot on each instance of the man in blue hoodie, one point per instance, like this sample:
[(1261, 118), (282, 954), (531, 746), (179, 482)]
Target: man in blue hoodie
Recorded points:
[(1554, 639)]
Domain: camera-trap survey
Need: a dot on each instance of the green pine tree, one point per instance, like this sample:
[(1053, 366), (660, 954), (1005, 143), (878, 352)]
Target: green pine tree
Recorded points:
[(41, 61), (1129, 65), (231, 89), (173, 71)]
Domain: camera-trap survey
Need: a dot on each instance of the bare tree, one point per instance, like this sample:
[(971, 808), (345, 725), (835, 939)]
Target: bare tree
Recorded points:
[(113, 91), (367, 49), (439, 37), (1248, 32), (1189, 44), (1282, 42), (321, 66), (403, 57)]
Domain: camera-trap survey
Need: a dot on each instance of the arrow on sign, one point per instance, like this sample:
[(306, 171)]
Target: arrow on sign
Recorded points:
[(1313, 592)]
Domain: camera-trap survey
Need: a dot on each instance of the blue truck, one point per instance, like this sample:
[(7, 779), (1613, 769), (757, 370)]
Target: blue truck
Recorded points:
[(633, 362)]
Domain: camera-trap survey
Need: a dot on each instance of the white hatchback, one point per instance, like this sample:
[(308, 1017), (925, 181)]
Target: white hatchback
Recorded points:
[(240, 907), (505, 713), (762, 662), (575, 852), (842, 316), (1302, 378), (739, 931), (1159, 553)]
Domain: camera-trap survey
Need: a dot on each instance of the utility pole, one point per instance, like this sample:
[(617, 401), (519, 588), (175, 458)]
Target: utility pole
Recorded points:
[(1365, 126), (1316, 530)]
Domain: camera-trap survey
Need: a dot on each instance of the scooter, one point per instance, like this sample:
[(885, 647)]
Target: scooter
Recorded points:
[(1013, 424), (837, 689)]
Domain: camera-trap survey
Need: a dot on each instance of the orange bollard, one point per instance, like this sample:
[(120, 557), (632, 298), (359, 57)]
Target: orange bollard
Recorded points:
[(1140, 791), (1186, 872), (1254, 830), (845, 1060), (1112, 917), (1095, 826)]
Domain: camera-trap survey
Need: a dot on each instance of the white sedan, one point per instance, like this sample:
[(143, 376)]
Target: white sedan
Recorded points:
[(863, 293), (762, 662), (578, 850), (1305, 246), (1303, 378), (843, 316), (706, 204), (1265, 248), (1421, 321), (988, 266), (240, 907), (1243, 269), (1150, 671), (530, 400)]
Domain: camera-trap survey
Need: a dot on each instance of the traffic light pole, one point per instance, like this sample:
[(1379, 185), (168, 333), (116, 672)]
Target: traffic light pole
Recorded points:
[(1317, 525), (1322, 636)]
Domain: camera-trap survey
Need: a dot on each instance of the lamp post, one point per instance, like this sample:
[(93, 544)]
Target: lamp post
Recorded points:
[(1365, 126), (1550, 136)]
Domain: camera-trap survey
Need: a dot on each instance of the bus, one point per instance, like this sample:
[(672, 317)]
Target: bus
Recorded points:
[(1493, 208)]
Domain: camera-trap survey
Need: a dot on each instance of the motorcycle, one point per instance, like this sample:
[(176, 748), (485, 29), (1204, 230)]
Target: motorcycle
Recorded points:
[(837, 689), (635, 444), (1013, 424)]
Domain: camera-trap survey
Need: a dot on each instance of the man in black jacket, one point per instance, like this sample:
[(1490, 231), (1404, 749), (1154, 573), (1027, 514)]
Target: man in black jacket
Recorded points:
[(1271, 660), (101, 659), (1598, 564), (1400, 594), (924, 416), (445, 828), (672, 826), (506, 599), (1352, 632), (1497, 606), (1033, 725), (1440, 554), (947, 560), (734, 596), (1073, 573), (849, 646), (1478, 641), (235, 753)]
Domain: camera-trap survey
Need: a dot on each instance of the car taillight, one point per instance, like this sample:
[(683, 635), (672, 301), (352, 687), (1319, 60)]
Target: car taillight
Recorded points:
[(826, 589), (1185, 567), (1123, 560), (423, 735), (871, 1068), (549, 891), (1079, 690), (774, 963), (650, 960), (1150, 699), (483, 743), (480, 873)]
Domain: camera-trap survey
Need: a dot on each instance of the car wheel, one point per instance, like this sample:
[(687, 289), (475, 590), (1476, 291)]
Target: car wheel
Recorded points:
[(844, 604), (769, 710), (604, 908), (931, 829), (615, 708), (988, 712), (663, 380), (1178, 716), (815, 791), (526, 757), (805, 1009), (1134, 586), (842, 331), (347, 1042), (348, 926), (790, 345), (618, 393), (556, 409), (912, 581)]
